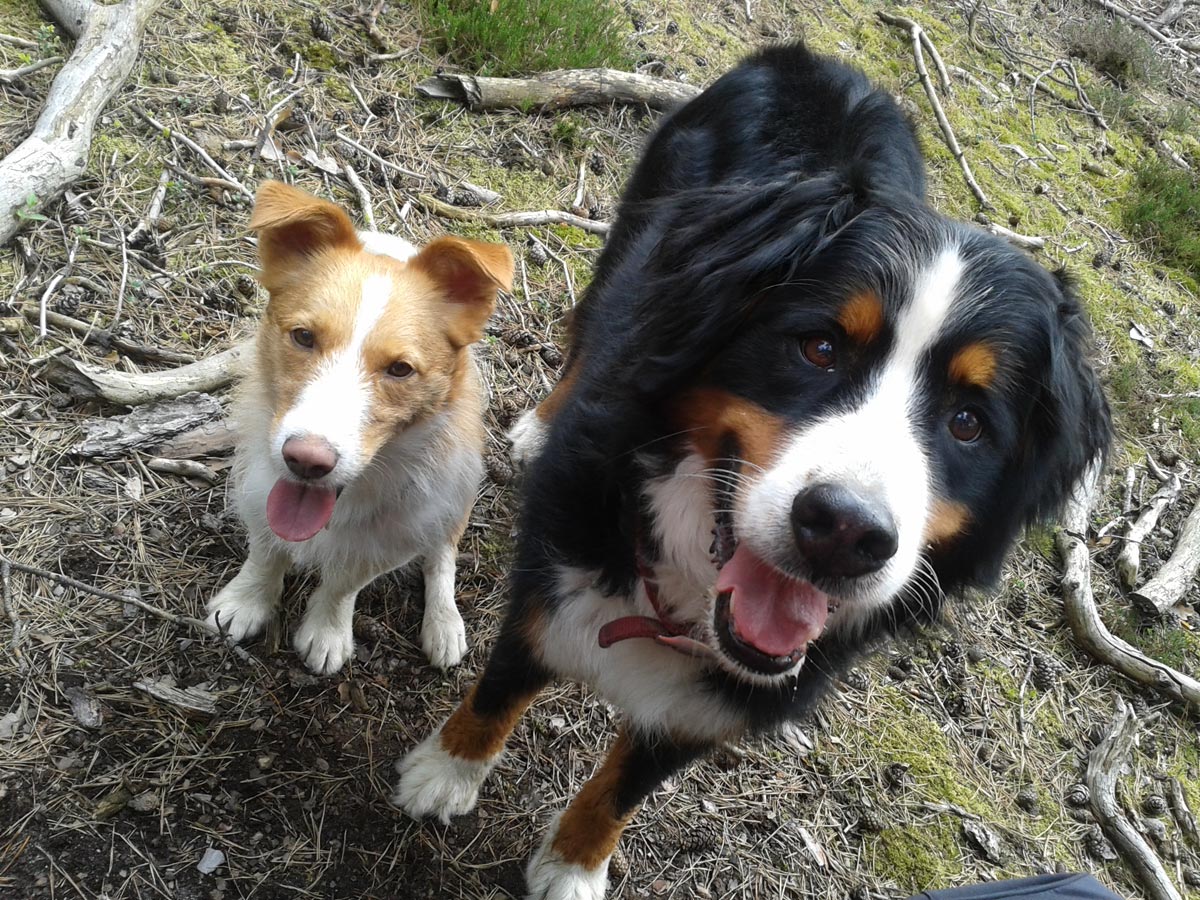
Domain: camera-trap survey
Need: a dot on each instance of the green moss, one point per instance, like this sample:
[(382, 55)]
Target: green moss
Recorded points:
[(216, 52), (918, 857), (906, 735), (528, 36), (337, 89), (1165, 207), (319, 55)]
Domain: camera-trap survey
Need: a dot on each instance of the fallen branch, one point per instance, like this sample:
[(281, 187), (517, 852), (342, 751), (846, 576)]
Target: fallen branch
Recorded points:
[(1079, 606), (1129, 560), (90, 382), (1025, 242), (513, 220), (10, 610), (107, 40), (92, 334), (213, 438), (147, 425), (189, 699), (1163, 591), (1104, 766), (364, 199), (185, 468), (557, 90), (8, 76), (1183, 813), (919, 40)]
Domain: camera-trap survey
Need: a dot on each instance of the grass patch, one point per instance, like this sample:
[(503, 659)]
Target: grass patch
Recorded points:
[(1164, 207), (526, 36), (1114, 48)]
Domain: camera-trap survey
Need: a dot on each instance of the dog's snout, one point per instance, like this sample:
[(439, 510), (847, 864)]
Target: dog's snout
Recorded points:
[(309, 456), (841, 533)]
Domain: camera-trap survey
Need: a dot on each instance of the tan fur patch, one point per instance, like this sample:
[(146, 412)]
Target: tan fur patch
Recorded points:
[(712, 416), (469, 735), (974, 365), (946, 521), (590, 828), (862, 317), (553, 402)]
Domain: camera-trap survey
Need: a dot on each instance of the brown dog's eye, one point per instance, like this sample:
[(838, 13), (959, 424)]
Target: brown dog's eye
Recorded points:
[(965, 426), (818, 350), (302, 337), (399, 370)]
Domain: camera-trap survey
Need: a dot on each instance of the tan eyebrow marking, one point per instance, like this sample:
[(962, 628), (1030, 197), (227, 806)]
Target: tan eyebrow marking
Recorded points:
[(862, 317), (973, 365)]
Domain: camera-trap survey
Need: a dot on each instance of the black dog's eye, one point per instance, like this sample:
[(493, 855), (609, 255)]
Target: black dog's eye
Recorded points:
[(965, 426), (818, 349), (302, 337), (399, 369)]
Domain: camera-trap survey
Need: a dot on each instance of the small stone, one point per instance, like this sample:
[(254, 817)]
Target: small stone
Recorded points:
[(659, 887), (68, 763), (85, 707), (145, 802), (210, 861), (975, 654), (983, 840)]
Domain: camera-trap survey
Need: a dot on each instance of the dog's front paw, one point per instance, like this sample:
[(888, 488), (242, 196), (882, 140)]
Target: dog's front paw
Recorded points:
[(434, 783), (550, 877), (527, 436), (324, 646), (242, 609), (443, 637)]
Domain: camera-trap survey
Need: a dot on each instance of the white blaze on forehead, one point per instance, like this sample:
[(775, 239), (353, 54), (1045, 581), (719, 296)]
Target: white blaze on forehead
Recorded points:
[(875, 448), (335, 404)]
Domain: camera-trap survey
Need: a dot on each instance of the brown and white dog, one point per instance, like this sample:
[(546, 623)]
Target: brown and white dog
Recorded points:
[(359, 421), (801, 409)]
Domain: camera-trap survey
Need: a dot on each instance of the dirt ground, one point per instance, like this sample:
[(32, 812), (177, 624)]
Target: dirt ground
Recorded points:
[(979, 728)]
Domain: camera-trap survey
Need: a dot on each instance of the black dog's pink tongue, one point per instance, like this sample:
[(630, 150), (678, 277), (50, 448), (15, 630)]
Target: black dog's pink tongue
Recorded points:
[(771, 612), (297, 511)]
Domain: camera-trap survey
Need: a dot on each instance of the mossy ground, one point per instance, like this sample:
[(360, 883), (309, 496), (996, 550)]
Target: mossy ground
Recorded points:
[(956, 714)]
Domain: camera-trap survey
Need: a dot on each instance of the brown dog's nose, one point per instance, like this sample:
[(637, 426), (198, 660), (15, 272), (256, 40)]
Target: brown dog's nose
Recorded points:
[(309, 457)]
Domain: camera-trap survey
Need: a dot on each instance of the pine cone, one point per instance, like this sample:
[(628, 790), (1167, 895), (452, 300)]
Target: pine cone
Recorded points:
[(1045, 672), (870, 821), (1097, 845), (1077, 796), (537, 253), (383, 106), (1027, 800), (320, 28), (368, 628), (1018, 604), (1154, 805), (699, 837)]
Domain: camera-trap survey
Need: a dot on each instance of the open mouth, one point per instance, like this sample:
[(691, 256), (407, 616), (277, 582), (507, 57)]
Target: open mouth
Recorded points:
[(298, 510), (764, 618)]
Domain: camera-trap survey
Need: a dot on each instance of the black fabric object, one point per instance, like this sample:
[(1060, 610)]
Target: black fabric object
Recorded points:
[(1057, 887)]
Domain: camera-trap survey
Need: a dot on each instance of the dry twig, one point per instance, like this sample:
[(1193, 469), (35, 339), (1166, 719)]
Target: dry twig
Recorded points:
[(920, 40), (87, 381), (1079, 605), (176, 135), (8, 76), (92, 334), (364, 199), (515, 219), (1104, 766)]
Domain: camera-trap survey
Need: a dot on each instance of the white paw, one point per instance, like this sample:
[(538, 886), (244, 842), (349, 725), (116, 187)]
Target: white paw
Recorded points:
[(528, 436), (243, 608), (434, 783), (325, 646), (549, 877), (443, 637)]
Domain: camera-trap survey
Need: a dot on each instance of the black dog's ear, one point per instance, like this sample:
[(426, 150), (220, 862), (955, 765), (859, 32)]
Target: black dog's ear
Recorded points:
[(1071, 425)]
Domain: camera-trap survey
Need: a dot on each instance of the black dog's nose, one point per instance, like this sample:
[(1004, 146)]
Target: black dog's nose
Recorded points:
[(840, 533)]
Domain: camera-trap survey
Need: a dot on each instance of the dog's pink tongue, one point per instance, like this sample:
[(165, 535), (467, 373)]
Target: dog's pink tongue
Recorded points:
[(773, 613), (297, 511)]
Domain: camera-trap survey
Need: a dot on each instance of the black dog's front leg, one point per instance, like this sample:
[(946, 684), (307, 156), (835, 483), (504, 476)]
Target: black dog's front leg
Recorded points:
[(573, 858)]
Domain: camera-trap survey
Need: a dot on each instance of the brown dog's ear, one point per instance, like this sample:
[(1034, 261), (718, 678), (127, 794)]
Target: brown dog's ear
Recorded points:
[(293, 225), (469, 272)]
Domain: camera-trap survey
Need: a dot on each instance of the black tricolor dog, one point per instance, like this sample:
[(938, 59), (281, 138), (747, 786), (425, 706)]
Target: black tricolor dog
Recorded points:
[(800, 409)]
